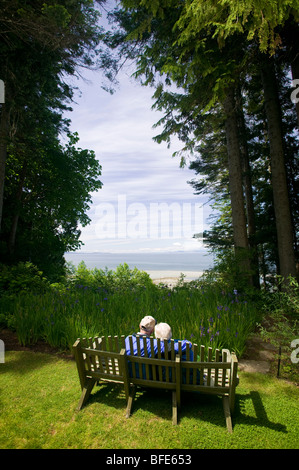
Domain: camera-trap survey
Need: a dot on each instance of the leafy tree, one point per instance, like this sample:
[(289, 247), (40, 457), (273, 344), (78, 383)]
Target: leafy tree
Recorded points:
[(47, 184), (263, 238), (260, 21), (66, 34), (52, 186)]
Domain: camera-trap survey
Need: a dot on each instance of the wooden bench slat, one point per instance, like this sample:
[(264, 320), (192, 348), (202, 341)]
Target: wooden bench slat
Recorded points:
[(217, 355), (147, 370), (166, 355), (202, 353), (139, 354), (224, 359), (209, 370), (160, 370)]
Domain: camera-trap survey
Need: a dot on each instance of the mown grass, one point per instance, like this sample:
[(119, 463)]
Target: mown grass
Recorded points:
[(39, 394)]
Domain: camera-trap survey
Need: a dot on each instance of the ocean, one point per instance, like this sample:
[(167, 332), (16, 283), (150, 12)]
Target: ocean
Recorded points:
[(158, 265)]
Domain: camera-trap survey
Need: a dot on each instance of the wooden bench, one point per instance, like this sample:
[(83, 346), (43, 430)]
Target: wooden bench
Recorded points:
[(217, 375), (98, 361), (106, 359)]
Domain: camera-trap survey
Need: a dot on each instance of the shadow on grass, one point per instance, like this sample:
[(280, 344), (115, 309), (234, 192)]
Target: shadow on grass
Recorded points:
[(154, 401), (210, 409), (197, 407), (157, 402), (261, 418), (109, 394), (24, 362)]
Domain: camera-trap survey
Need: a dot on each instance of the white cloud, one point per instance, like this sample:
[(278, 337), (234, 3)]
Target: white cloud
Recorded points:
[(119, 129)]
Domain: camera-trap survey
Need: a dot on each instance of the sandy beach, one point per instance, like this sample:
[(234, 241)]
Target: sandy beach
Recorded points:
[(171, 277)]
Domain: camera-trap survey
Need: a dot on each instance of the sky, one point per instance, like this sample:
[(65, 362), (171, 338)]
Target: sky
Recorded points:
[(145, 204)]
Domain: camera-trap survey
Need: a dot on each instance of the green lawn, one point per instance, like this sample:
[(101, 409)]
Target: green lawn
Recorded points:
[(39, 394)]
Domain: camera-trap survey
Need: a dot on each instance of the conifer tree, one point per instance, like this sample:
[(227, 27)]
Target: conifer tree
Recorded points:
[(203, 47)]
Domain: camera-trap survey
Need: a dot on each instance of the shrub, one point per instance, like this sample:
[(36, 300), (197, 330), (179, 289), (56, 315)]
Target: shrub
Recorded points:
[(21, 277), (122, 278)]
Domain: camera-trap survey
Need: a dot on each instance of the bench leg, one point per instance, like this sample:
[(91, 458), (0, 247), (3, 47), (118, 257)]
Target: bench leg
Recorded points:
[(87, 388), (130, 401), (227, 414), (174, 409)]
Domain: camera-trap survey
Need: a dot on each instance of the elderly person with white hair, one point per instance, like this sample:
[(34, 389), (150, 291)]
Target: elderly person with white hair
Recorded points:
[(163, 331)]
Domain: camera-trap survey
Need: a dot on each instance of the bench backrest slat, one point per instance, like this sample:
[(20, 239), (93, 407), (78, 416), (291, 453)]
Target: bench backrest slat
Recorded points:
[(202, 353), (88, 364), (154, 370), (166, 356), (217, 354), (147, 369), (209, 370), (92, 358), (116, 344), (139, 354), (103, 339), (110, 345), (160, 376), (224, 359)]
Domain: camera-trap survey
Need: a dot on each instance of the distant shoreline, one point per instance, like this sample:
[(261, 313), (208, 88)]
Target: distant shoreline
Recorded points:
[(158, 252), (171, 277), (161, 267)]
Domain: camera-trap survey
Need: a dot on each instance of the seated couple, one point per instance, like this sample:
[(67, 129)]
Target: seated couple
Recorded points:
[(147, 327)]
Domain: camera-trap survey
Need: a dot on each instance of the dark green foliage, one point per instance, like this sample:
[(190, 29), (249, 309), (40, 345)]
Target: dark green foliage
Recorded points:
[(111, 281), (48, 185), (195, 55), (20, 278)]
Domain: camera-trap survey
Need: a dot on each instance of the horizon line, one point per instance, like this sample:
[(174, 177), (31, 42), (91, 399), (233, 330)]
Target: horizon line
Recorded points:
[(136, 252)]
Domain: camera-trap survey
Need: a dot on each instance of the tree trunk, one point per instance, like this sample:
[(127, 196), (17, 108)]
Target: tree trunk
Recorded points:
[(246, 170), (16, 213), (235, 177), (278, 172), (247, 185)]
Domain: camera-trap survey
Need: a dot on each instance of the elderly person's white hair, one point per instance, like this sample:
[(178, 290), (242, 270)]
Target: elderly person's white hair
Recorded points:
[(163, 331)]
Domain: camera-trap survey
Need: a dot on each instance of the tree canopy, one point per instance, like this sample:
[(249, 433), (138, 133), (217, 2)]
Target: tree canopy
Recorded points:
[(45, 185), (221, 72), (223, 75)]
